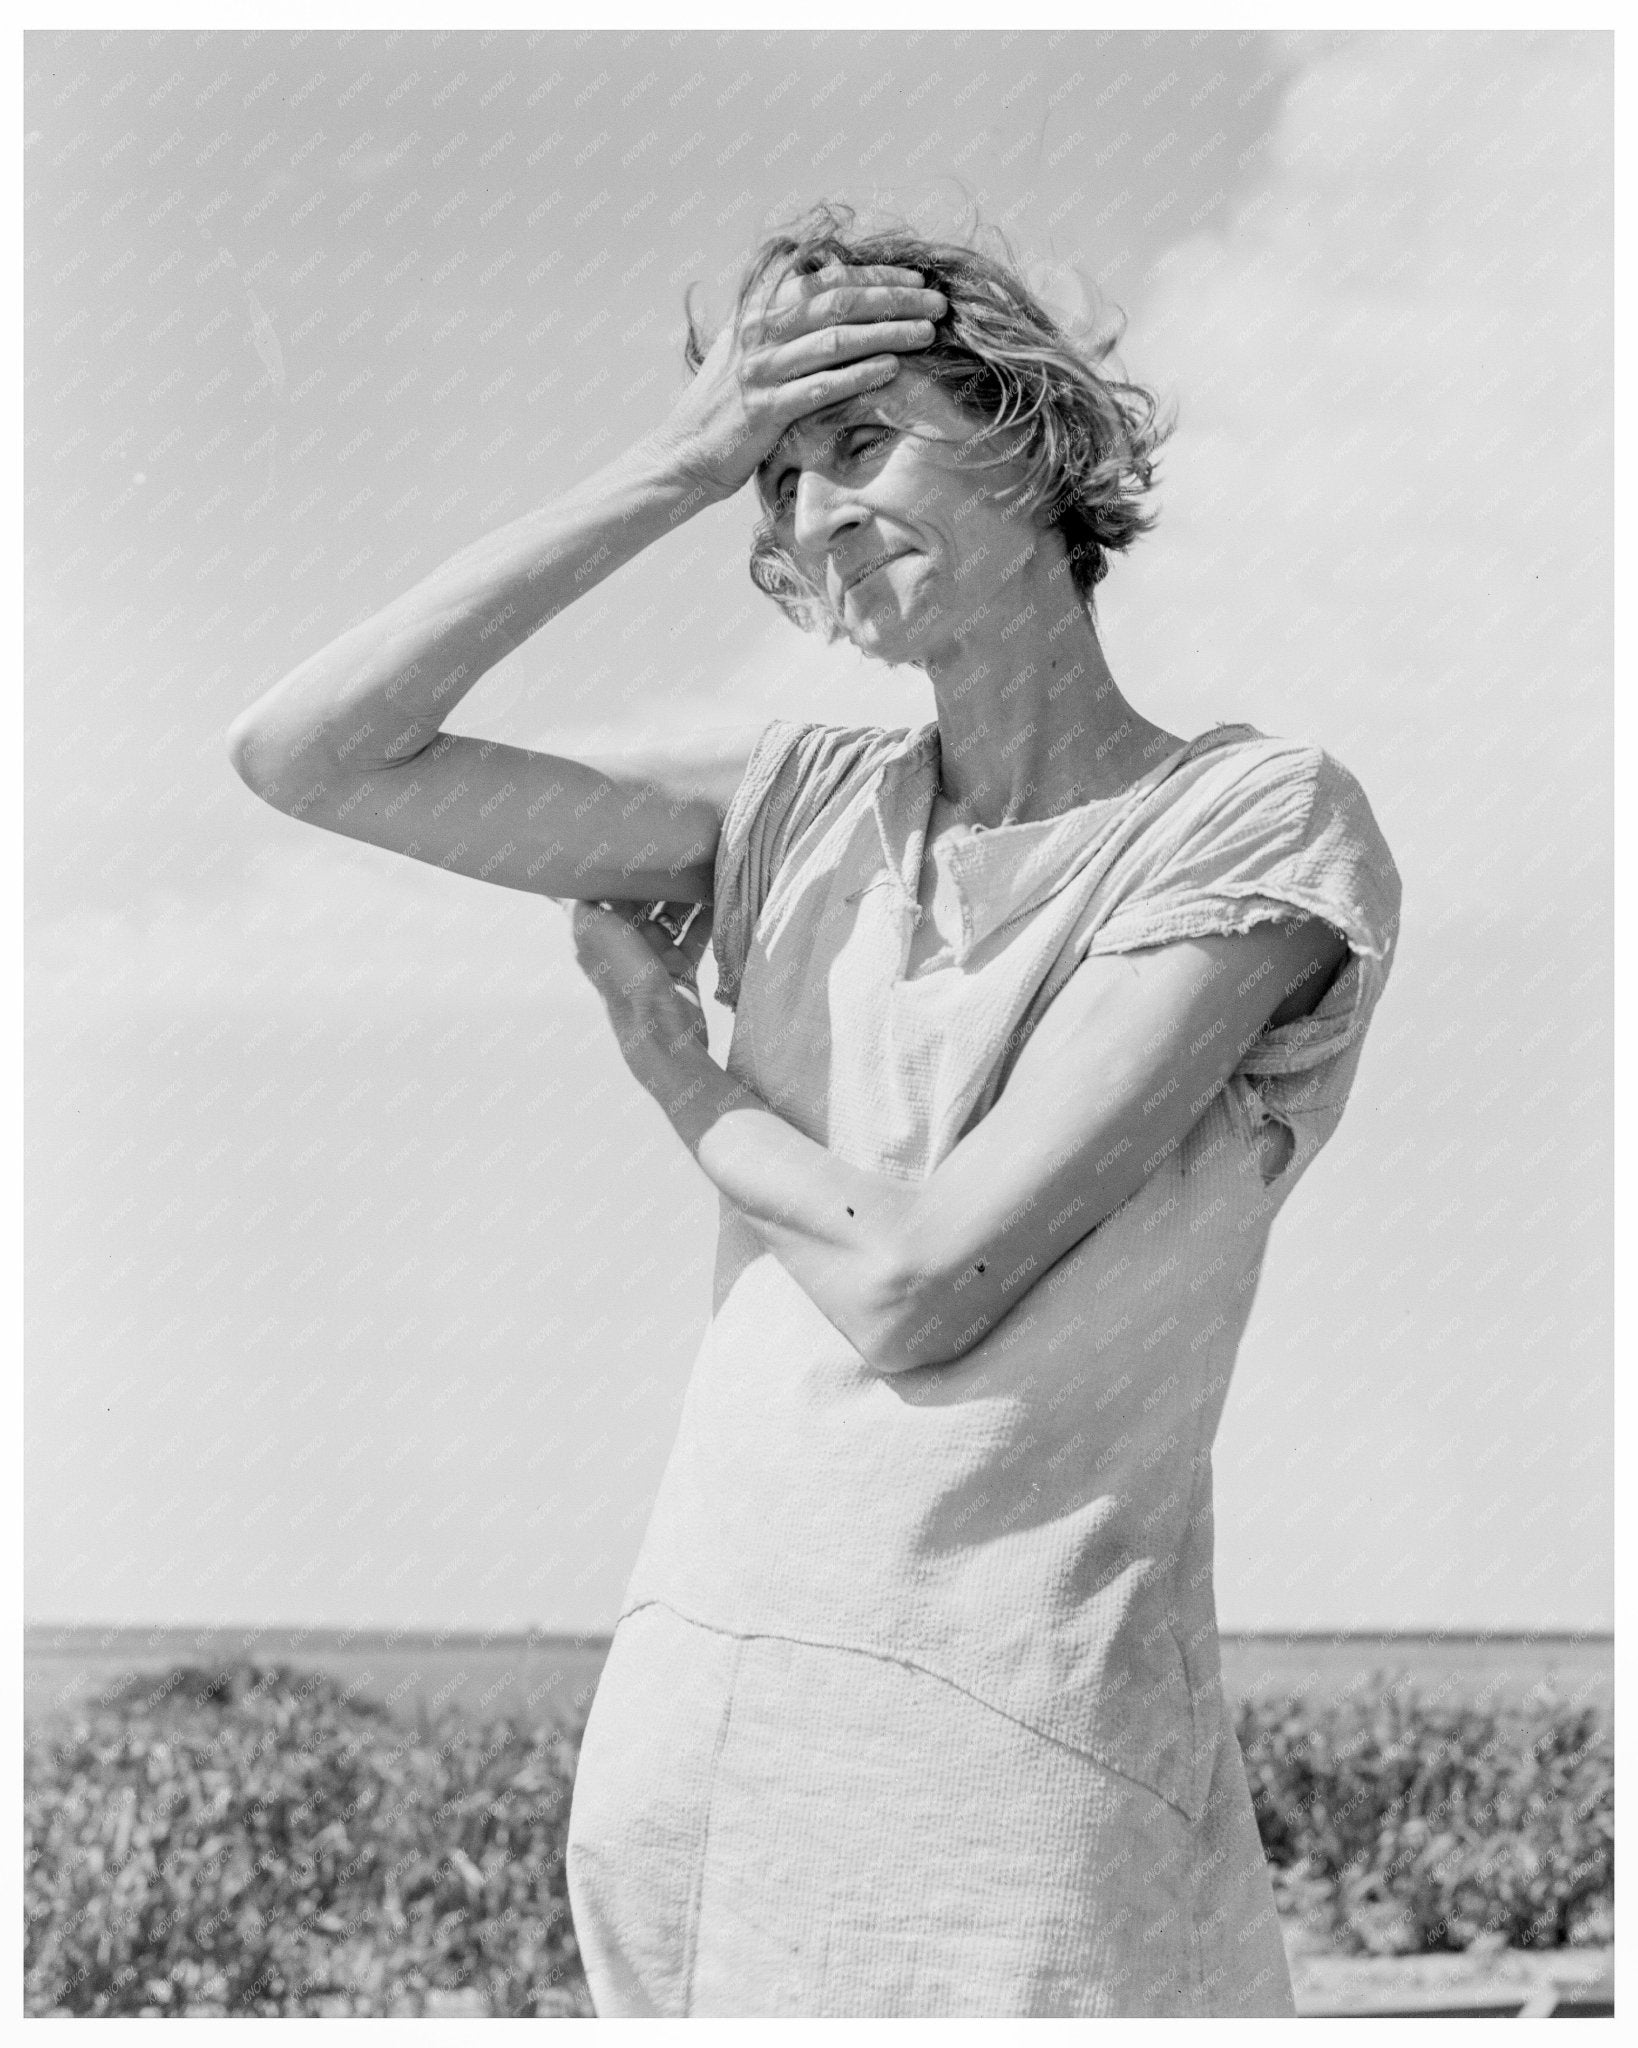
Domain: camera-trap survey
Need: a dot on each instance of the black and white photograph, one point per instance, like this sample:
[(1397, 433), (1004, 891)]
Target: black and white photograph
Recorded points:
[(818, 1021)]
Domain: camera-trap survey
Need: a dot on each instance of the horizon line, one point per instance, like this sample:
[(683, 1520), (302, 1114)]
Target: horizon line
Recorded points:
[(378, 1635)]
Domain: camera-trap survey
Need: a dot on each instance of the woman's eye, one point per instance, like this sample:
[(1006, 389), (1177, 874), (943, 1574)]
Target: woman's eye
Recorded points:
[(863, 439)]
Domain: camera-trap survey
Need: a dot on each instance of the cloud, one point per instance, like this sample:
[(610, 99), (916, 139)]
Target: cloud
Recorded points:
[(333, 928), (1386, 529), (1386, 511)]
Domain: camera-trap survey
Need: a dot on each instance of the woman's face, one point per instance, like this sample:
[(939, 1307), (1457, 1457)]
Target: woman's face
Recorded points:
[(884, 507)]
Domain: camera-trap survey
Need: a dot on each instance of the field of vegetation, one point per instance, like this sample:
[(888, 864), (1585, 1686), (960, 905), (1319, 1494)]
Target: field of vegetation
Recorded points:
[(254, 1841), (260, 1840), (1403, 1826)]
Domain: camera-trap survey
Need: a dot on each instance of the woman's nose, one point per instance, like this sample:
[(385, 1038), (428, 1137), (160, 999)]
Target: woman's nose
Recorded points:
[(822, 511)]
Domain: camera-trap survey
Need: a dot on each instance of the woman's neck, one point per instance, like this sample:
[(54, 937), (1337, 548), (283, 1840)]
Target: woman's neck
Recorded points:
[(1031, 721)]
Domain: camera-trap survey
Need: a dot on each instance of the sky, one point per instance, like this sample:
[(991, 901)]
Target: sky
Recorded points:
[(362, 1282)]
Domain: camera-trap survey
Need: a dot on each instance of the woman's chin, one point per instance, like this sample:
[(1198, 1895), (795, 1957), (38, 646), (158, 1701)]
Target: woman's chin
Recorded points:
[(885, 634), (896, 644), (875, 645)]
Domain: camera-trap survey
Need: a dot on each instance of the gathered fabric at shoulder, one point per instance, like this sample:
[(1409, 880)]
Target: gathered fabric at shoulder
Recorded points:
[(1262, 821), (797, 775)]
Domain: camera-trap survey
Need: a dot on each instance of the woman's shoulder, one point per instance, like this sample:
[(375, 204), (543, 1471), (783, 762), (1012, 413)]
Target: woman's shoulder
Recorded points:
[(815, 740), (1259, 812), (1238, 771), (1247, 827), (855, 744), (1239, 752)]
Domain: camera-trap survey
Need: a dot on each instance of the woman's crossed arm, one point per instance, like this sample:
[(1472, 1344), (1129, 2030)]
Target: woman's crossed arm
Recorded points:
[(1125, 1061)]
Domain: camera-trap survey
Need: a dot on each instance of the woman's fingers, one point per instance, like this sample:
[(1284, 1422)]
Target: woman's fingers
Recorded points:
[(798, 396), (830, 346), (607, 934), (603, 930), (645, 980), (851, 303), (811, 281), (806, 342), (796, 286), (841, 316), (875, 302), (796, 289)]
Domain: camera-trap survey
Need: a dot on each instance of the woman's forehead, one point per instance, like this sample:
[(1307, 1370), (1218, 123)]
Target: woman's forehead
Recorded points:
[(912, 396), (814, 430)]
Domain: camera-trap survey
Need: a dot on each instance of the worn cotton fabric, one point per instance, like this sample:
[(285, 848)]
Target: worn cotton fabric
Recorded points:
[(1028, 1528), (766, 1828)]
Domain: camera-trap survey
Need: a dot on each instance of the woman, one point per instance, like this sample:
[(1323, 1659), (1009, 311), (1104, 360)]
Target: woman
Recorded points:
[(914, 1704)]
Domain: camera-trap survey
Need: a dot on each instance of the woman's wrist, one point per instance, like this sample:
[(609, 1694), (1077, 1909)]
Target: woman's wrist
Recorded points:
[(677, 1070), (676, 467)]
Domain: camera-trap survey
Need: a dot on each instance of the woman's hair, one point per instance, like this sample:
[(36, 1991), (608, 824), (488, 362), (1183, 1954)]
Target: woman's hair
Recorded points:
[(1089, 440)]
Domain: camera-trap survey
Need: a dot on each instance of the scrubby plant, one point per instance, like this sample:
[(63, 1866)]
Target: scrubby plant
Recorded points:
[(255, 1841), (1399, 1825)]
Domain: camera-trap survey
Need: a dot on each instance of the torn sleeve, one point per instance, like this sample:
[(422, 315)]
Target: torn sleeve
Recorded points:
[(1287, 833)]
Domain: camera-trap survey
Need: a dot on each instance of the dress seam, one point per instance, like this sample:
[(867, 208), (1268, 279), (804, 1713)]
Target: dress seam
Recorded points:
[(696, 1903), (1093, 1756)]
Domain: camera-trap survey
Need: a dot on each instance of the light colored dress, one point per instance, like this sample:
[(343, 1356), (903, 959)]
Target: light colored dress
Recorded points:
[(914, 1706)]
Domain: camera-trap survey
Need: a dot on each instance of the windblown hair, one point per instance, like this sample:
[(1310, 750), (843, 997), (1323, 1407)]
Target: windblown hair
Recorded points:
[(1088, 440)]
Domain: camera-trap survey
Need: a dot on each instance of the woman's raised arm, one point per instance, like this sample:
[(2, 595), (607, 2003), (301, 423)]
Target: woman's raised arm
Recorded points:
[(351, 739)]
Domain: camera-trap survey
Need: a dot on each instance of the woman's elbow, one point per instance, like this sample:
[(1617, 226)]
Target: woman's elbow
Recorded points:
[(247, 753), (281, 768), (911, 1326)]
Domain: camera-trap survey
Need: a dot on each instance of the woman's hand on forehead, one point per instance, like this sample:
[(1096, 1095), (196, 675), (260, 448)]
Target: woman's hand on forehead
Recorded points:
[(806, 346), (841, 293)]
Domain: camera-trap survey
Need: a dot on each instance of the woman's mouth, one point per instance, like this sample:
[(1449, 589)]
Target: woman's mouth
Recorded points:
[(854, 577)]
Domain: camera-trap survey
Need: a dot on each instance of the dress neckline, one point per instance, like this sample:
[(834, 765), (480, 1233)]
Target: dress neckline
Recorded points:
[(926, 745), (994, 873)]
